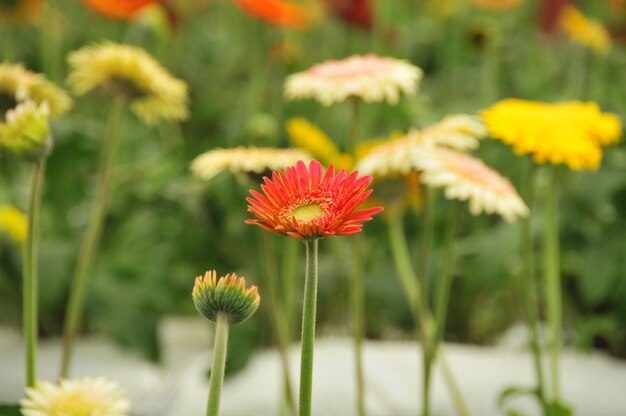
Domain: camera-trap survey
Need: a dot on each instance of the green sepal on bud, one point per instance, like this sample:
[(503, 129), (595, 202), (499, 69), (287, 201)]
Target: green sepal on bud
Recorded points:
[(25, 131), (227, 295)]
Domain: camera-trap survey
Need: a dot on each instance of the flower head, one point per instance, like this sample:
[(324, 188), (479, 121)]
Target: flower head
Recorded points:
[(25, 130), (369, 77), (467, 178), (228, 295), (245, 160), (17, 84), (587, 32), (19, 11), (354, 12), (572, 133), (305, 203), (315, 141), (13, 224), (277, 12), (119, 9), (131, 73), (81, 397)]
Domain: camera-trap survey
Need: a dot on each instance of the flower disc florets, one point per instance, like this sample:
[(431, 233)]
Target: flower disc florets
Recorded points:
[(303, 203), (227, 295)]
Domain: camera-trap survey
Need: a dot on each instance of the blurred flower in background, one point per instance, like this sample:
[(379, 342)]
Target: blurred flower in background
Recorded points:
[(25, 131), (369, 77), (497, 4), (307, 136), (572, 133), (355, 12), (13, 224), (583, 30), (277, 12), (15, 12), (129, 73), (120, 9), (245, 160), (86, 396), (466, 178)]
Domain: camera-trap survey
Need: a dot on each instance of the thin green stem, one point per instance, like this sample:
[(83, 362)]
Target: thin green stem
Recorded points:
[(91, 238), (308, 327), (357, 300), (219, 364), (31, 276), (358, 286), (530, 287), (277, 319), (552, 280)]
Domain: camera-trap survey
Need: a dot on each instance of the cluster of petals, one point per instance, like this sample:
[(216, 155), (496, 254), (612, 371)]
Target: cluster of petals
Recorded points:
[(305, 135), (368, 77), (571, 133), (119, 9), (131, 73), (245, 160), (227, 295), (304, 202), (277, 12), (398, 156), (466, 178), (86, 396)]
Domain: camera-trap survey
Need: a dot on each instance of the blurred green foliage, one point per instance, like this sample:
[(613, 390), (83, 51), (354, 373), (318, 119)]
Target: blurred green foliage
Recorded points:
[(165, 227)]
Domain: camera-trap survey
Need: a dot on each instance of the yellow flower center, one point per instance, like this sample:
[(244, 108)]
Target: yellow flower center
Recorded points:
[(307, 212)]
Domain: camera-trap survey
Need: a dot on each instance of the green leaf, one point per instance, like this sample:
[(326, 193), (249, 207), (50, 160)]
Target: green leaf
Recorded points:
[(512, 392), (10, 410), (559, 409)]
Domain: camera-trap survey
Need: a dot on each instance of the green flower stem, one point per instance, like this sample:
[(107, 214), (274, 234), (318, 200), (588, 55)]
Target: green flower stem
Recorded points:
[(357, 291), (358, 305), (30, 270), (308, 327), (530, 287), (91, 238), (552, 280), (219, 364), (421, 313), (278, 318)]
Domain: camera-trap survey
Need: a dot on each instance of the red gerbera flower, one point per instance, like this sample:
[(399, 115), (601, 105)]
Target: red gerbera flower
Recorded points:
[(355, 12), (303, 203), (120, 9)]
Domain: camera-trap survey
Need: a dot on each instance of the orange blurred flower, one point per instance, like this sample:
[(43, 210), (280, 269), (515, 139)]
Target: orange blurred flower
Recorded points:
[(119, 9), (277, 12), (20, 11)]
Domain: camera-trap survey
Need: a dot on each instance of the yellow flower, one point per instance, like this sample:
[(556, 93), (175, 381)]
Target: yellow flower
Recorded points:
[(315, 141), (130, 73), (18, 84), (25, 130), (15, 12), (587, 32), (13, 224), (82, 397), (572, 133), (245, 160)]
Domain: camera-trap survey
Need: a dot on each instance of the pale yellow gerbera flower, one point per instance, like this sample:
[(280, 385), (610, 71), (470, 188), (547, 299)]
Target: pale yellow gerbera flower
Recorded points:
[(369, 77), (398, 156), (245, 160), (316, 142), (82, 397), (583, 30), (572, 133), (25, 131), (466, 178), (130, 73), (17, 84), (13, 224)]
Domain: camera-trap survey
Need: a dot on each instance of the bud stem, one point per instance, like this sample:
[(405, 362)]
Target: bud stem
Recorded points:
[(219, 364)]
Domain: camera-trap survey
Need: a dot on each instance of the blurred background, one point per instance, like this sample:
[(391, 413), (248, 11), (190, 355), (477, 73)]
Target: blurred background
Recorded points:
[(165, 226)]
